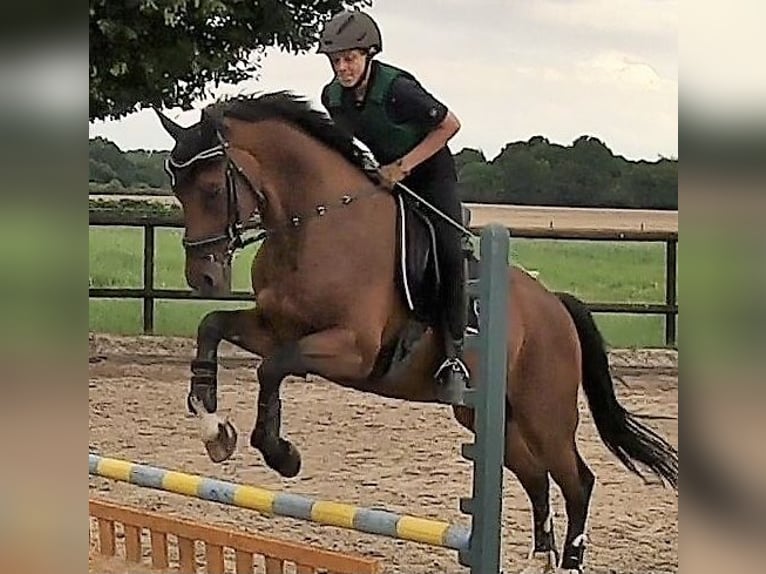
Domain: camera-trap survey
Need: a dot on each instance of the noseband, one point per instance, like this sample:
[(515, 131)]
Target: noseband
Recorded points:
[(232, 234)]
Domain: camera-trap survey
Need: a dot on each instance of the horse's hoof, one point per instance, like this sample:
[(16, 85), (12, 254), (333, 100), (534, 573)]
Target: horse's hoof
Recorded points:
[(290, 460), (285, 459), (281, 455), (224, 444)]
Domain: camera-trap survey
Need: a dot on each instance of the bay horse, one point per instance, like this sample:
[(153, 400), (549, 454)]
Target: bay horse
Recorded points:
[(328, 286)]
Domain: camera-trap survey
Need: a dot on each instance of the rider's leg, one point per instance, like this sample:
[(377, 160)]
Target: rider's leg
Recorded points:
[(442, 194), (453, 280)]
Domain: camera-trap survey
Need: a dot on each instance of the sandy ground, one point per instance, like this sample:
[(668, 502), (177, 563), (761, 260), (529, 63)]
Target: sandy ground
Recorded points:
[(573, 218), (98, 564), (368, 451)]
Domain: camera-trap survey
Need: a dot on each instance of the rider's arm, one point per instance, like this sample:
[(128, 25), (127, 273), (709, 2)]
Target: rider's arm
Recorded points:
[(410, 102), (432, 143)]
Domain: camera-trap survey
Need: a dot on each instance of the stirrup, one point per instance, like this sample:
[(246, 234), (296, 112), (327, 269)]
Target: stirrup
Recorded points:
[(455, 365)]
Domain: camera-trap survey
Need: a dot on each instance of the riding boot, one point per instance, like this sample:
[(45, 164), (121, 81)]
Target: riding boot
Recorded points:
[(453, 374)]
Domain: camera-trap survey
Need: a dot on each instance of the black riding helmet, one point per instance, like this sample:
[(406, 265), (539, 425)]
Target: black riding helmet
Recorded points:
[(352, 30)]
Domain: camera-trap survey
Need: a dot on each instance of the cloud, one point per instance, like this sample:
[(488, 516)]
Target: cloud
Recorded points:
[(620, 70), (645, 17)]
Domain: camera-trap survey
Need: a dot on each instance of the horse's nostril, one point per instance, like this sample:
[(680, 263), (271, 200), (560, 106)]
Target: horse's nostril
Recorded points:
[(208, 280)]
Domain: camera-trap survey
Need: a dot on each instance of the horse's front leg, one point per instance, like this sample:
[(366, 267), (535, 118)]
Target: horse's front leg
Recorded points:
[(243, 328), (336, 354)]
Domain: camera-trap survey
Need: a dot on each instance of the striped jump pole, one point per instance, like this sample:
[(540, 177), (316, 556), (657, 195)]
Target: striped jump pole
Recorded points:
[(369, 520)]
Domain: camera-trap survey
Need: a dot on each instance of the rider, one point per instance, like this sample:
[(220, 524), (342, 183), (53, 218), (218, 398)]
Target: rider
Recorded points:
[(407, 130)]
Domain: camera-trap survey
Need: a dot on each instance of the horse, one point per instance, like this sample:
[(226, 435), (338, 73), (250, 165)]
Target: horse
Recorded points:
[(334, 300)]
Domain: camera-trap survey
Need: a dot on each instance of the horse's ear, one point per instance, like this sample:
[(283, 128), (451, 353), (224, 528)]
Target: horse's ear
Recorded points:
[(208, 126), (211, 124), (170, 126)]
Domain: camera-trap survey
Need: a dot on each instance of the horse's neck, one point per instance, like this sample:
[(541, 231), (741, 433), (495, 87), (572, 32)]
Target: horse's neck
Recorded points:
[(303, 174)]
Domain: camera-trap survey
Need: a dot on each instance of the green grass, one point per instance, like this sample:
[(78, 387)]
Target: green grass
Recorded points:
[(116, 260), (594, 271), (606, 272), (610, 272)]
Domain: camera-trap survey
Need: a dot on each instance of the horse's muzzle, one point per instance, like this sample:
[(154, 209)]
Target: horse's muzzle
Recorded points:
[(208, 277)]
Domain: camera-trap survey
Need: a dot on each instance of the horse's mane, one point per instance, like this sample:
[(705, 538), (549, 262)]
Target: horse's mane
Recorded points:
[(296, 110)]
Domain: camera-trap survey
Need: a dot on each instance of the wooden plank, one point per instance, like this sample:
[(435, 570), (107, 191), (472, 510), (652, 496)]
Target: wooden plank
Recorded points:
[(317, 558), (186, 555), (106, 539), (132, 543), (214, 558), (243, 561), (152, 521), (159, 549), (274, 565)]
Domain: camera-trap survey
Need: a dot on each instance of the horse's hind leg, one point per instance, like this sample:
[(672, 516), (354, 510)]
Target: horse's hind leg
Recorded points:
[(576, 481), (534, 478), (336, 354), (243, 328)]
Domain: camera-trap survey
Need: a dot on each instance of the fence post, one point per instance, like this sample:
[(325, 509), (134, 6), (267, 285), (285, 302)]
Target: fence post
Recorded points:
[(671, 262), (148, 287), (488, 402)]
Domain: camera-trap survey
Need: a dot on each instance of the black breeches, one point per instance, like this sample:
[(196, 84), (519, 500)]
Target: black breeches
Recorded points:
[(442, 194)]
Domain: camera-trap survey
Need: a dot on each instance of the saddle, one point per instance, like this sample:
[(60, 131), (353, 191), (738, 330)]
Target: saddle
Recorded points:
[(418, 280), (417, 272)]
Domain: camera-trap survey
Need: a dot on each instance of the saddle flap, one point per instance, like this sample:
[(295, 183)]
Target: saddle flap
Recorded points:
[(417, 272)]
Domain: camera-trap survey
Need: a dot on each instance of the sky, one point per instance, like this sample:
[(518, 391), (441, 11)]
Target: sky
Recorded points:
[(508, 69)]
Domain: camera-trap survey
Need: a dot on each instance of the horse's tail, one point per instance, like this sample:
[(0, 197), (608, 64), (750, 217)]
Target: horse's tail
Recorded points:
[(620, 430)]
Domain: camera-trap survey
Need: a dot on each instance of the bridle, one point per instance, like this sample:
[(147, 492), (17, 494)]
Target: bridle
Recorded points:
[(233, 233)]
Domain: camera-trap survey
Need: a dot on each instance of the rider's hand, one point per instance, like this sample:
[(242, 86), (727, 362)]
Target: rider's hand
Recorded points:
[(392, 174)]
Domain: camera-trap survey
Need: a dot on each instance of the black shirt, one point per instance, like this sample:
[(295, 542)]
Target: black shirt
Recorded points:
[(408, 101)]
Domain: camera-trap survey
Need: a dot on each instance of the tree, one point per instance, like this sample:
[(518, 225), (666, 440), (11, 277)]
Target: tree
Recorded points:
[(652, 185), (105, 152), (466, 156), (525, 178), (149, 167), (168, 52), (100, 172), (479, 182), (594, 173)]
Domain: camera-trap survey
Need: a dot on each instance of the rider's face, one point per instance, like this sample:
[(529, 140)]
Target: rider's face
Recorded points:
[(348, 66)]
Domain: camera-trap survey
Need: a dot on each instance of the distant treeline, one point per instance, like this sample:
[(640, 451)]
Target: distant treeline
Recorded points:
[(111, 170), (585, 174), (535, 172)]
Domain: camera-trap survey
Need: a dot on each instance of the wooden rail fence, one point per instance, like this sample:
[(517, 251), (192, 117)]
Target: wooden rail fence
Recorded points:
[(148, 293), (277, 556)]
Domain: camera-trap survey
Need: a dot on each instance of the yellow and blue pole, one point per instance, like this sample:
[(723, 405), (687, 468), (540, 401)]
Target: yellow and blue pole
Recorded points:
[(371, 521)]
